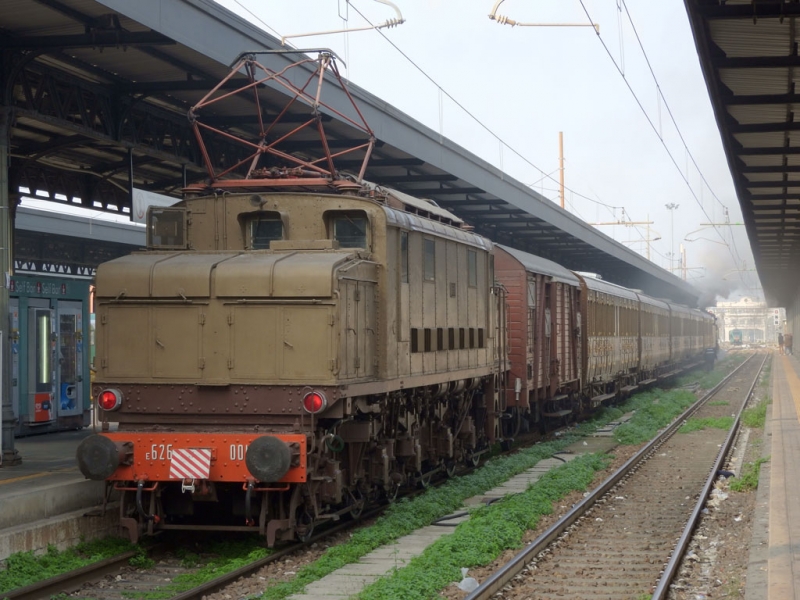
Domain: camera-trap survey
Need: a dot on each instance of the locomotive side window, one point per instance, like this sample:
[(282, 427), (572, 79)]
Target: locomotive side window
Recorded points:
[(350, 230), (472, 268), (263, 229), (429, 259), (404, 257)]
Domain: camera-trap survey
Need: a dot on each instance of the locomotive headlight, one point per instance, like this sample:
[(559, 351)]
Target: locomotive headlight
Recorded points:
[(315, 402), (109, 399)]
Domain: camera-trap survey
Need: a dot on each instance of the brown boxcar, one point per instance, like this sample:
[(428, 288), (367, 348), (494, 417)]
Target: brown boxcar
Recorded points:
[(655, 335), (544, 324), (611, 341)]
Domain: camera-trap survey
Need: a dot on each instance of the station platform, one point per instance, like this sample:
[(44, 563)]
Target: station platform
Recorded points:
[(46, 500), (774, 569)]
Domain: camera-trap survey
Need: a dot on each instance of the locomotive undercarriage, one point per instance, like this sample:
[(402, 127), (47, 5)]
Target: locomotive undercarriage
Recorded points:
[(403, 439)]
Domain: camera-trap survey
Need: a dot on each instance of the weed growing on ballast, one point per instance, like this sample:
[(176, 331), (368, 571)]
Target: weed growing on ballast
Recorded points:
[(218, 558), (654, 410), (698, 423), (25, 568), (756, 416), (408, 515), (748, 478), (489, 531)]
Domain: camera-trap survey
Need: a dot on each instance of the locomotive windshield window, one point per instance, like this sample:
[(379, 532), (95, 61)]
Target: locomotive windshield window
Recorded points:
[(350, 231), (263, 230), (166, 227), (429, 259)]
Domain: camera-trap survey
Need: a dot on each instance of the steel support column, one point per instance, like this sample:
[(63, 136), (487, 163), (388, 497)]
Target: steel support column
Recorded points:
[(10, 454)]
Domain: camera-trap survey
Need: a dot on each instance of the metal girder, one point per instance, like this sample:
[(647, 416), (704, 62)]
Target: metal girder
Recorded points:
[(94, 192), (505, 212), (772, 184), (756, 99), (767, 151), (749, 196), (239, 120), (433, 192), (454, 202), (755, 62), (751, 10), (779, 169), (765, 127), (382, 163), (422, 178), (95, 39)]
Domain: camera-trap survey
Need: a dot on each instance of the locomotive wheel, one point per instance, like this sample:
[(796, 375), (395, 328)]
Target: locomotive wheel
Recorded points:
[(357, 507), (473, 459), (450, 468), (304, 528), (420, 480), (391, 492)]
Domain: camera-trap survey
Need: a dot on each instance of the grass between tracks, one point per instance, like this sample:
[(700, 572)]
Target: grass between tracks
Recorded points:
[(408, 515), (489, 531), (216, 559), (748, 478), (25, 568), (698, 423)]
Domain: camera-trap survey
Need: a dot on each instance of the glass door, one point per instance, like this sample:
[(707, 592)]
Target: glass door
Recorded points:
[(41, 367), (69, 384)]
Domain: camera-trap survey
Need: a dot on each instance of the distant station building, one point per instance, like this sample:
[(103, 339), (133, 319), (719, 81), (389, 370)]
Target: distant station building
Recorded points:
[(748, 321)]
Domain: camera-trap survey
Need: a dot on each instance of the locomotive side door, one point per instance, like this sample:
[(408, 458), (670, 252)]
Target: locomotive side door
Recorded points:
[(41, 364), (69, 369)]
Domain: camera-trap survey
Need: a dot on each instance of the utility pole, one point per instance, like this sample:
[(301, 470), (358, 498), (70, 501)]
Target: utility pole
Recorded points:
[(647, 240), (683, 262), (671, 207), (561, 165)]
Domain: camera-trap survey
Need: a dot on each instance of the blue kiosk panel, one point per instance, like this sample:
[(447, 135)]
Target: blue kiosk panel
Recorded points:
[(49, 353)]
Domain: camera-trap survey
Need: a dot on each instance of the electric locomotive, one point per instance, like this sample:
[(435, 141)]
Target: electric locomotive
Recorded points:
[(289, 347)]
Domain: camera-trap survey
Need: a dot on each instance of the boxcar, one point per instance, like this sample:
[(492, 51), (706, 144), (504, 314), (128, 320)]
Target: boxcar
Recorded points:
[(544, 326), (654, 333), (611, 341)]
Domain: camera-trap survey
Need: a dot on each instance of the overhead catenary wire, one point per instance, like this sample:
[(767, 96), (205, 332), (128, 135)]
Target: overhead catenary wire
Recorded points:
[(663, 98), (661, 139), (469, 113)]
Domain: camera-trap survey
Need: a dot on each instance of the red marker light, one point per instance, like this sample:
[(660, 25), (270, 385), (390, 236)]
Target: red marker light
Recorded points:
[(109, 399), (315, 402)]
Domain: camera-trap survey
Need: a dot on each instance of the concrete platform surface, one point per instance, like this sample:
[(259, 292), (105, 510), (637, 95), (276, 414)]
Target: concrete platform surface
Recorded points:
[(783, 564), (43, 500)]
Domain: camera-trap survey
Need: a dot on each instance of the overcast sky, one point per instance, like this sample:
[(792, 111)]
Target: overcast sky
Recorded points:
[(526, 84)]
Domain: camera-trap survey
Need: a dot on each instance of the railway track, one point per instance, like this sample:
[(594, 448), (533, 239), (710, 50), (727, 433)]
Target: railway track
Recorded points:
[(115, 579), (626, 538)]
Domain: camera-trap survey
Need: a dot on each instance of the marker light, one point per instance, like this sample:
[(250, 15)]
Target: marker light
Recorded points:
[(109, 399), (315, 402)]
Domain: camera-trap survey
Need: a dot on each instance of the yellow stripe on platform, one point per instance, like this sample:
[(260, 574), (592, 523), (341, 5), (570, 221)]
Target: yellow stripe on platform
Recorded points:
[(794, 384), (34, 475)]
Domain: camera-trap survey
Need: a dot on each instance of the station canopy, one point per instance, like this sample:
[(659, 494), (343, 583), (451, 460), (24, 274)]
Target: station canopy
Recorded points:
[(97, 94), (749, 54)]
